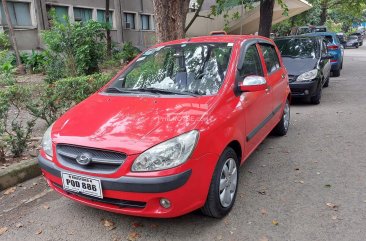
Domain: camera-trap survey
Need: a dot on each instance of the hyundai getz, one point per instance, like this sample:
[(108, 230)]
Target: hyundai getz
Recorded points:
[(168, 133)]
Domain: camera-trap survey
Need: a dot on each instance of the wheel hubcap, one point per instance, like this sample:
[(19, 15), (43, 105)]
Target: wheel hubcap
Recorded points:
[(286, 116), (228, 182)]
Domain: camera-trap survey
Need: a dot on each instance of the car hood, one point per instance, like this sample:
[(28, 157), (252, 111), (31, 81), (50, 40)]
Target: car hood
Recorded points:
[(129, 124), (297, 66)]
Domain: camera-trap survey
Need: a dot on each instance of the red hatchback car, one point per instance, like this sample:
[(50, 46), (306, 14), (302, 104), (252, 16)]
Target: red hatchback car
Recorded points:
[(167, 135)]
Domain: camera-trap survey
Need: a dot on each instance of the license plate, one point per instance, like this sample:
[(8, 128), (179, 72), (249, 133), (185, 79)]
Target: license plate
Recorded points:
[(81, 184)]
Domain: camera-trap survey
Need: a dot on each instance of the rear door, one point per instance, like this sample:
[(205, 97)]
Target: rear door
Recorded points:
[(257, 105), (276, 75), (324, 63)]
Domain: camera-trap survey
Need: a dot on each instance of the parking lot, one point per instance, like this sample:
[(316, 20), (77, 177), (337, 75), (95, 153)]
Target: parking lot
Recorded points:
[(308, 185)]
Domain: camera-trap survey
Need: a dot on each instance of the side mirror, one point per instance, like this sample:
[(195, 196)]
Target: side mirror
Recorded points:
[(253, 83), (327, 56)]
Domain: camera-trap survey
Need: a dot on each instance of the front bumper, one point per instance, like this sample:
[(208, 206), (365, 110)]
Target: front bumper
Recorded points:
[(140, 196), (304, 89)]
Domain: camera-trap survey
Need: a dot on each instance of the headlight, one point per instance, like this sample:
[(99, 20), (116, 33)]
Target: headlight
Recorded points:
[(310, 75), (168, 154), (47, 142)]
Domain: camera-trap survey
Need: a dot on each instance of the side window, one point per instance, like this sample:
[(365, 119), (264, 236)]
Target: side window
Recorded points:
[(252, 64), (270, 57)]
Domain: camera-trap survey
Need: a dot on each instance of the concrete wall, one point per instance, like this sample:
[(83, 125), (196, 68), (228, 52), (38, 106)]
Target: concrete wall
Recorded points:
[(28, 37)]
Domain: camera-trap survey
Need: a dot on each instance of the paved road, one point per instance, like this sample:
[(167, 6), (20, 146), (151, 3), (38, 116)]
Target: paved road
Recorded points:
[(321, 160)]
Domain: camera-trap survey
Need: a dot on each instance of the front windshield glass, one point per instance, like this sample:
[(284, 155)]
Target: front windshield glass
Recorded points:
[(196, 68), (297, 48), (353, 37)]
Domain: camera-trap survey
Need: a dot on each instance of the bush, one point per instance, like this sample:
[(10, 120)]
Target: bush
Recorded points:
[(58, 97), (34, 62), (127, 53), (78, 45), (4, 41), (13, 131)]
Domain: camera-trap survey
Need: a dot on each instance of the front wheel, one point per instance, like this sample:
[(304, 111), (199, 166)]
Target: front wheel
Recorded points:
[(223, 187), (282, 127)]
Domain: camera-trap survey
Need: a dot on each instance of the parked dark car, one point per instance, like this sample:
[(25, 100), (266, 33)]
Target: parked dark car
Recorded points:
[(308, 63), (352, 42), (359, 36)]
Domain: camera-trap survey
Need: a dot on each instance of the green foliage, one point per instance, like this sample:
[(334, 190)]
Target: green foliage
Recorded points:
[(13, 131), (56, 98), (34, 62), (127, 53), (4, 41), (78, 45)]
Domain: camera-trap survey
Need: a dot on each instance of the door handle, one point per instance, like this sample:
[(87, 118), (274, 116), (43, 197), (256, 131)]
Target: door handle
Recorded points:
[(283, 76)]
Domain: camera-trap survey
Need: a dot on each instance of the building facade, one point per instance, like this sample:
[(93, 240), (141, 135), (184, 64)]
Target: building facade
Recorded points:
[(131, 20)]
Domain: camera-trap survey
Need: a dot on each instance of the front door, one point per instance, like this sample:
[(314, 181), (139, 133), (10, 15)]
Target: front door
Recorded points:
[(257, 105)]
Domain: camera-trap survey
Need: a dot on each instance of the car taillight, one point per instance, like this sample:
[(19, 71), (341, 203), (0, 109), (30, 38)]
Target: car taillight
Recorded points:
[(333, 47)]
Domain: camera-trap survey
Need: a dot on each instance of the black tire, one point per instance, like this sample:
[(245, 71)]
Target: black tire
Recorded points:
[(315, 100), (213, 206), (326, 84), (282, 127), (336, 73)]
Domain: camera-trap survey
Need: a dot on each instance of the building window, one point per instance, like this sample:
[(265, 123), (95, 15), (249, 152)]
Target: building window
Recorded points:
[(61, 13), (101, 16), (83, 14), (19, 14), (145, 22), (129, 20)]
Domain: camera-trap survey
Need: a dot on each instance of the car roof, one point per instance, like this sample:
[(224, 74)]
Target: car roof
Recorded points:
[(215, 39), (321, 34), (298, 37)]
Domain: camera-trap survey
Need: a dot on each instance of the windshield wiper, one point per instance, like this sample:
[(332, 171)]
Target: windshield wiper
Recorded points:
[(120, 90), (169, 92)]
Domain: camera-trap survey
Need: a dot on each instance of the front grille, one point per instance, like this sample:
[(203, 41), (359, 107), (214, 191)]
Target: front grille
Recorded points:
[(291, 78), (118, 202), (102, 161)]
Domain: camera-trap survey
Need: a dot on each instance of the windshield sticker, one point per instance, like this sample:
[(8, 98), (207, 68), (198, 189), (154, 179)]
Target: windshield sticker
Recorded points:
[(230, 44)]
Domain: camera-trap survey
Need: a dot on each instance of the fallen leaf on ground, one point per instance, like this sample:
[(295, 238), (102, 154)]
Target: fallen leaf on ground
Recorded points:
[(262, 192), (263, 211), (334, 217), (39, 232), (46, 206), (19, 225), (275, 222), (3, 230), (327, 185), (137, 224), (318, 173), (332, 205), (264, 238), (302, 182), (219, 237), (154, 225), (10, 191), (133, 236), (108, 224)]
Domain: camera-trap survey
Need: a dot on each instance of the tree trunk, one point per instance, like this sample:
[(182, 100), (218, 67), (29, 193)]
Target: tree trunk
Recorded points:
[(323, 15), (170, 19), (109, 40), (12, 36), (194, 16), (266, 16)]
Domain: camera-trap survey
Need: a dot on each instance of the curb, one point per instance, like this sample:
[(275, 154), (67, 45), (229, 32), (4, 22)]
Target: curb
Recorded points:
[(18, 173)]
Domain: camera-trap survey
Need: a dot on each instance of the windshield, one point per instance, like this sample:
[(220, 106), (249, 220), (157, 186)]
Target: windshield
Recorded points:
[(297, 48), (353, 37), (197, 68)]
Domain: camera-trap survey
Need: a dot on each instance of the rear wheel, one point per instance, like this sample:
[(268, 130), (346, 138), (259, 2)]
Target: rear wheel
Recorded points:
[(223, 187), (282, 127), (336, 73), (326, 84)]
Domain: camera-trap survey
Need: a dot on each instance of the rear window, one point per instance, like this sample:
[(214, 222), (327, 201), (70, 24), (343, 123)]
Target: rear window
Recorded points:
[(329, 39), (297, 48)]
